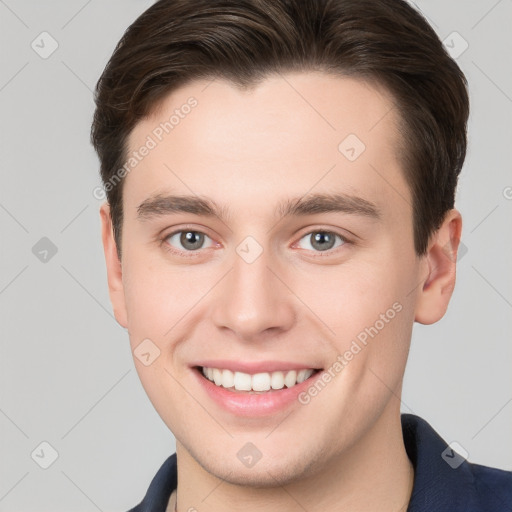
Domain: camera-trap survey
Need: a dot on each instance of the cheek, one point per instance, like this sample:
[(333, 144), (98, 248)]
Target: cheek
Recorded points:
[(348, 297), (149, 296), (160, 296), (367, 312)]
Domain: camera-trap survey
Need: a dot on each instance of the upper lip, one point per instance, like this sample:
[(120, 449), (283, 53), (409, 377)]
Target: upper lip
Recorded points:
[(253, 367)]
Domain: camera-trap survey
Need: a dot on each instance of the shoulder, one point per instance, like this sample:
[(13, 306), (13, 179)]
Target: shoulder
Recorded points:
[(445, 480), (493, 487)]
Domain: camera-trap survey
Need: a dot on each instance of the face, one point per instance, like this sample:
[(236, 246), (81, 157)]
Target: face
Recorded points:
[(300, 255)]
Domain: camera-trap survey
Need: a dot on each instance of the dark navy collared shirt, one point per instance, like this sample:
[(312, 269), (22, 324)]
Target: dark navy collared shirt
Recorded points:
[(443, 480)]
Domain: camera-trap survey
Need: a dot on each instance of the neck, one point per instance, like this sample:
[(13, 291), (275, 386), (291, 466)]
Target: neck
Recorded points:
[(374, 474)]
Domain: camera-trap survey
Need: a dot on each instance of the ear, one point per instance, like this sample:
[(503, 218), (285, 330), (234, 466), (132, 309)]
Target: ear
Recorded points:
[(439, 265), (114, 268)]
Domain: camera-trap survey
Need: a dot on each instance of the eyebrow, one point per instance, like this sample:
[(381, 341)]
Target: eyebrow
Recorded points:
[(160, 205)]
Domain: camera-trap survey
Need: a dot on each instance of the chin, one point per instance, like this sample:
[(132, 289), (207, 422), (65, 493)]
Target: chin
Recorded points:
[(264, 473)]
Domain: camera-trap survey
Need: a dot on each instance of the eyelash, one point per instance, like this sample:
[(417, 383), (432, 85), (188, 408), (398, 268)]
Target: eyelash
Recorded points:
[(198, 252)]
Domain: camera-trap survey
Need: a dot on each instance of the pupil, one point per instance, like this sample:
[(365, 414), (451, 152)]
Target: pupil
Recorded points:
[(322, 241)]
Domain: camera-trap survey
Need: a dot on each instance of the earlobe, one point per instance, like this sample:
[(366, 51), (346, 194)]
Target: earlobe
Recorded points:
[(114, 268), (440, 262)]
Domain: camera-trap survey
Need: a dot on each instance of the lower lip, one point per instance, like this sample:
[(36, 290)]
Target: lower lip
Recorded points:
[(250, 405)]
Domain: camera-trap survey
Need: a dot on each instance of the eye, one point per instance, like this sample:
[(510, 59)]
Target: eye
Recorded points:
[(188, 239), (321, 241)]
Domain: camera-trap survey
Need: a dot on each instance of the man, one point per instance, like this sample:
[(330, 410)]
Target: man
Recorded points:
[(280, 181)]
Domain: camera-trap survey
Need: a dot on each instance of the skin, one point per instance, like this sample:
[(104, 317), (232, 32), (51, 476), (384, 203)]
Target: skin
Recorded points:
[(248, 151)]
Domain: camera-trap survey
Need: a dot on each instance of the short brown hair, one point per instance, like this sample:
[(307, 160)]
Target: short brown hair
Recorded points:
[(384, 41)]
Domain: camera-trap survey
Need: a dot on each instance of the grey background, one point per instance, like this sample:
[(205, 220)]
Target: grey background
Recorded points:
[(67, 375)]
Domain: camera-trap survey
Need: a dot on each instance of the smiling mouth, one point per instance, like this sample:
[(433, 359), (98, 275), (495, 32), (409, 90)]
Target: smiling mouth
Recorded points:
[(258, 383)]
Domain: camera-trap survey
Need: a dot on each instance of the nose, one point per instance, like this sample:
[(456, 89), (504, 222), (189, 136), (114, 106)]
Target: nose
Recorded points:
[(253, 300)]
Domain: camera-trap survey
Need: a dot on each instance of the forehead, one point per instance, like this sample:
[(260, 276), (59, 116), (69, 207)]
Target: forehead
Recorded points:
[(288, 135)]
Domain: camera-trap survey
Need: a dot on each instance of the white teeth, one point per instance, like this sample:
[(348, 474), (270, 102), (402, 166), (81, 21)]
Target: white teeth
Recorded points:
[(277, 380), (261, 381), (228, 378), (217, 376), (301, 376), (242, 381), (290, 379), (257, 382)]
